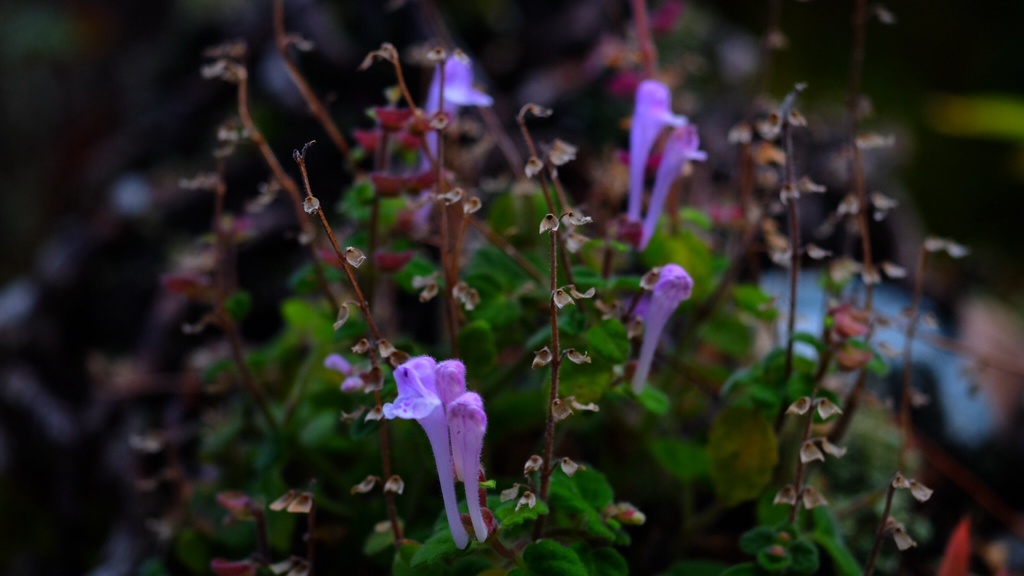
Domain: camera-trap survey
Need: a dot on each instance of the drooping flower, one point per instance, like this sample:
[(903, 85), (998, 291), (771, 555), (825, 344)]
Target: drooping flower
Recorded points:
[(458, 92), (674, 286), (683, 144), (352, 381), (652, 113), (418, 400), (467, 423)]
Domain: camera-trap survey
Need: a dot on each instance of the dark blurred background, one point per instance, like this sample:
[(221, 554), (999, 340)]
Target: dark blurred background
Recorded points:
[(103, 110)]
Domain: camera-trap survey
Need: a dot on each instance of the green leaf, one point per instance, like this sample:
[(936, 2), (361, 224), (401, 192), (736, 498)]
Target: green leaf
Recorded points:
[(417, 266), (753, 540), (582, 499), (805, 557), (439, 545), (654, 400), (754, 301), (608, 340), (304, 317), (476, 346), (587, 382), (728, 334), (401, 566), (193, 550), (604, 561), (808, 338), (827, 535), (549, 558), (686, 461), (378, 541), (695, 217), (508, 516), (238, 304), (743, 451)]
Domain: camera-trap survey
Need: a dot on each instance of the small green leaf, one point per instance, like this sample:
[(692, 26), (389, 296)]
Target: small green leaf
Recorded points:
[(754, 301), (549, 558), (604, 561), (401, 566), (743, 451), (608, 340), (654, 400), (695, 217), (508, 516), (238, 304), (686, 461), (774, 559), (378, 541), (827, 535), (808, 338), (476, 346), (728, 334), (439, 545), (805, 557), (417, 266), (193, 550), (753, 540)]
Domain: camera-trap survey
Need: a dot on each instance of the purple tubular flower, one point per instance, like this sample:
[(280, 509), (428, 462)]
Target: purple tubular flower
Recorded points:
[(682, 145), (467, 424), (418, 400), (458, 91), (338, 363), (450, 377), (673, 287), (652, 113)]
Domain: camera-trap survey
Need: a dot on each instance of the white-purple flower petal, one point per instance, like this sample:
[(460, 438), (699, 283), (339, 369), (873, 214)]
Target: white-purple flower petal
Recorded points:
[(652, 113), (673, 287), (467, 424), (683, 144)]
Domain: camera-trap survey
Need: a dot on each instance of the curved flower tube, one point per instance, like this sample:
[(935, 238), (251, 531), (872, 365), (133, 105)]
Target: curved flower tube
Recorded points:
[(682, 145), (673, 287), (418, 400), (652, 113), (467, 423)]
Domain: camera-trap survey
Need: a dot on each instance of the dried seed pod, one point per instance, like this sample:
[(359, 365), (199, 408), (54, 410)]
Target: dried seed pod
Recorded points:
[(472, 205), (362, 346), (354, 256), (575, 219), (815, 252), (394, 484), (740, 134), (311, 205), (343, 314), (900, 482), (635, 328), (831, 449), (542, 357), (569, 467), (589, 407), (873, 140), (561, 298), (284, 500), (574, 241), (560, 410), (385, 348), (376, 414), (561, 152), (510, 493), (452, 196), (576, 357), (577, 294), (809, 452), (826, 408), (893, 271), (648, 280), (807, 185), (801, 406), (919, 491), (302, 504), (528, 500), (366, 485), (812, 498), (533, 167), (787, 495), (549, 224), (789, 192), (533, 464), (437, 55), (351, 416)]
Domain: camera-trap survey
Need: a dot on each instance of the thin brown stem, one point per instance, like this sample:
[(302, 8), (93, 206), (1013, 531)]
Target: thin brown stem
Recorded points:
[(316, 107), (908, 345), (792, 203), (364, 306), (286, 182), (869, 568), (224, 318), (643, 38)]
